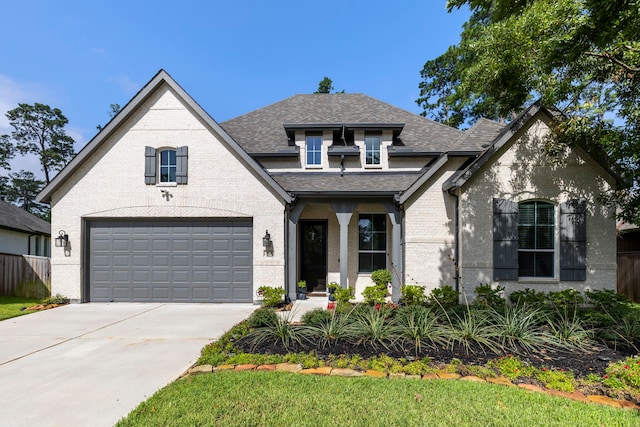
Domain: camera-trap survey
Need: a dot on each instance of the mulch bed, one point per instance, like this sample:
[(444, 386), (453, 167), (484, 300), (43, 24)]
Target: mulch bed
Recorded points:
[(592, 360)]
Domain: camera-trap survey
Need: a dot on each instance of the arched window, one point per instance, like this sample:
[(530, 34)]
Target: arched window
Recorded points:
[(167, 159), (536, 239)]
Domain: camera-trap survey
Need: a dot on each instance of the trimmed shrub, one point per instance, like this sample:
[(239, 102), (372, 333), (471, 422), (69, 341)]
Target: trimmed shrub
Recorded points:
[(444, 297), (262, 317), (413, 295)]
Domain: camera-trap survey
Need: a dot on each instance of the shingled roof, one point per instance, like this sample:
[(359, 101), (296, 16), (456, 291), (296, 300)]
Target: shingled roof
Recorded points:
[(480, 136), (351, 183), (262, 131), (14, 218)]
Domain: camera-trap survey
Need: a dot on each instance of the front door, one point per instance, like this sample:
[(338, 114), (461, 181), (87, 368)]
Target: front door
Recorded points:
[(313, 258)]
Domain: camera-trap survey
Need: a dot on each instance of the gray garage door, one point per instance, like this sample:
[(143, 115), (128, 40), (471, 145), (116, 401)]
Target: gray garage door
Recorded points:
[(170, 261)]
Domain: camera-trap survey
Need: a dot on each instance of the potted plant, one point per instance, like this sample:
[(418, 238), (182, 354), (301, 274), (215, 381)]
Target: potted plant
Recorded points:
[(331, 287), (302, 289)]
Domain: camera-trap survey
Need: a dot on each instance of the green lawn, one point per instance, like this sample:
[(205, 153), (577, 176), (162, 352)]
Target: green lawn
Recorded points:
[(11, 306), (284, 399)]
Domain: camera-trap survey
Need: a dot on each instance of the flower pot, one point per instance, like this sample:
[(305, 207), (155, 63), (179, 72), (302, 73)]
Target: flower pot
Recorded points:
[(332, 297)]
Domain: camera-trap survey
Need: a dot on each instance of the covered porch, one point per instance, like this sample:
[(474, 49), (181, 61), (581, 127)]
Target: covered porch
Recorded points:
[(342, 240)]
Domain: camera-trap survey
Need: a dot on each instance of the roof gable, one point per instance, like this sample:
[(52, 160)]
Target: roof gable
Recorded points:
[(507, 136), (161, 78)]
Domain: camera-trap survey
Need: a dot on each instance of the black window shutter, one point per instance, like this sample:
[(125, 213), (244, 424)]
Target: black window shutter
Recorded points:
[(573, 240), (149, 165), (505, 240), (181, 164)]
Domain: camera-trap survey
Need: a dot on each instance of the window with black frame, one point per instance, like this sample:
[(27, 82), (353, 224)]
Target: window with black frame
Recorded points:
[(372, 242), (536, 239)]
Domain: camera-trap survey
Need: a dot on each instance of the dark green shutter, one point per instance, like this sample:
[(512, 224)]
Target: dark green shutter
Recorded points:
[(505, 240), (149, 165), (181, 164), (573, 241)]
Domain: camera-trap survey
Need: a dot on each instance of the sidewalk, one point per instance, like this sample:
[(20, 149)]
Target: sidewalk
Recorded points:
[(301, 306)]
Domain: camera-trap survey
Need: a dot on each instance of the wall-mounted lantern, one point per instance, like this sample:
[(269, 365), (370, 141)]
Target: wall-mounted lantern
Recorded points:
[(267, 244), (62, 240)]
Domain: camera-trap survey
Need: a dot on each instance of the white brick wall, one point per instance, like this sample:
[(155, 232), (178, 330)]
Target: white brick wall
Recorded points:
[(429, 232), (522, 172), (110, 184)]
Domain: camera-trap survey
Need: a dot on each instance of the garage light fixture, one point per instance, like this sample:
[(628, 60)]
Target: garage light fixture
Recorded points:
[(267, 244), (62, 240)]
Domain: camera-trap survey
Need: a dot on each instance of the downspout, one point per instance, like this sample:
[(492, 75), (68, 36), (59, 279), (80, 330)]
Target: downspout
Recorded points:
[(456, 240), (402, 243)]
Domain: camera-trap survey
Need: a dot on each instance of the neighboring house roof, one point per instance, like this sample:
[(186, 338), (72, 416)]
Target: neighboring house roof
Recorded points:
[(262, 131), (14, 218), (162, 77)]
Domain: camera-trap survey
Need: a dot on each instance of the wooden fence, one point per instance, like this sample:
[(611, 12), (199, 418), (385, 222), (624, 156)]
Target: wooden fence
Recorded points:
[(25, 276), (629, 275)]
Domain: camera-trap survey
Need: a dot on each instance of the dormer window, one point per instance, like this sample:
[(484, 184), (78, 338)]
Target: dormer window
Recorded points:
[(372, 150), (314, 149)]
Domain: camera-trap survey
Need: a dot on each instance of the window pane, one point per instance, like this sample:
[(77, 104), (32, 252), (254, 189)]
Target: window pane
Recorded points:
[(544, 264), (526, 264), (364, 263), (526, 237), (379, 242), (365, 233), (544, 214), (379, 261), (544, 237)]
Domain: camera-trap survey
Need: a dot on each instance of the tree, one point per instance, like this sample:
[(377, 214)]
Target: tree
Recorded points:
[(113, 110), (22, 189), (440, 94), (325, 86), (6, 152), (39, 130), (580, 55)]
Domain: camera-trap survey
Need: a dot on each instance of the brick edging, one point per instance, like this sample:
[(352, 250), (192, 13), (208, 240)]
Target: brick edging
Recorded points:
[(343, 372)]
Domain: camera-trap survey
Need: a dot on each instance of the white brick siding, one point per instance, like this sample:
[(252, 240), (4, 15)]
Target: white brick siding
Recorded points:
[(110, 184), (522, 172)]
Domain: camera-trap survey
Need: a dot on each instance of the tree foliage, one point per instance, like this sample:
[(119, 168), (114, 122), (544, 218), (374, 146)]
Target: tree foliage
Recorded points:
[(325, 86), (6, 152), (113, 110), (39, 129), (580, 55), (22, 188)]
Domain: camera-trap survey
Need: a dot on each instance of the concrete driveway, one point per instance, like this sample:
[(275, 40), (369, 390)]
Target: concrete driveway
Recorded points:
[(91, 364)]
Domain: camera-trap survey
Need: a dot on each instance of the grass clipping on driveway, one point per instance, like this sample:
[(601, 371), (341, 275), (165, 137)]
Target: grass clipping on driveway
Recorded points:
[(283, 399)]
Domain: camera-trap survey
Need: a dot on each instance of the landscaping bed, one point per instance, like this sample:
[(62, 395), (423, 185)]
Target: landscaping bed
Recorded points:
[(567, 343)]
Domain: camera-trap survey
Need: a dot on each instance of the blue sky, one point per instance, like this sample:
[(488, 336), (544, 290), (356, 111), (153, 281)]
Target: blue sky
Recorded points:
[(232, 57)]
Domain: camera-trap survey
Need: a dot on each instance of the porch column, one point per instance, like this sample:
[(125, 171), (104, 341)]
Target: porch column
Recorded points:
[(344, 211), (396, 250), (292, 251)]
